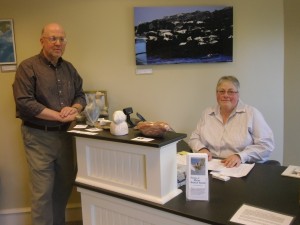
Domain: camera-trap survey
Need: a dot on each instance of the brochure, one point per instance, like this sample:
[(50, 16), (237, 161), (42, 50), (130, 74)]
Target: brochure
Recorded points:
[(197, 183)]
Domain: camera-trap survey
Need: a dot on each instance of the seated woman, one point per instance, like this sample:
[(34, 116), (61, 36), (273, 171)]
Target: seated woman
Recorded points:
[(232, 130)]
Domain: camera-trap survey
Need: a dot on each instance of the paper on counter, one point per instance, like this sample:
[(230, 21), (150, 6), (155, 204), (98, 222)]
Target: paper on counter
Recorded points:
[(143, 139), (216, 165), (250, 215), (240, 171), (94, 129), (292, 171), (80, 126), (82, 132)]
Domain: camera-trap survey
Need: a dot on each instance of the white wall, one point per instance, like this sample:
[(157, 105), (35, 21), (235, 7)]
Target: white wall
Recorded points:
[(101, 46)]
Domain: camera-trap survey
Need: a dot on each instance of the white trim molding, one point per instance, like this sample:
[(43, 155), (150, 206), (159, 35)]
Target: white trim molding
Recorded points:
[(22, 216)]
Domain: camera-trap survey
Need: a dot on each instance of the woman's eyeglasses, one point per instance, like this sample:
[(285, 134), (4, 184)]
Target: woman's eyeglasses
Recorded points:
[(229, 92)]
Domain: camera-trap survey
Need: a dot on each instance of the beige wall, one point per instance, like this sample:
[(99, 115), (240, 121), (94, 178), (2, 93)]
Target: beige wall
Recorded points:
[(101, 46), (292, 83)]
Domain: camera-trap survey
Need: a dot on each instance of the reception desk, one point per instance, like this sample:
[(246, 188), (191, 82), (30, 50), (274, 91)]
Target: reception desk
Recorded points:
[(129, 165), (105, 201)]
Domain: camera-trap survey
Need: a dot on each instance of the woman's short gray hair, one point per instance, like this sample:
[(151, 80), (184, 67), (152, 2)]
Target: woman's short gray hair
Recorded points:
[(231, 79)]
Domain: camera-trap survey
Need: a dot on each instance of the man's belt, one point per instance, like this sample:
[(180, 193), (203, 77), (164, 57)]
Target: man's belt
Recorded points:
[(62, 127)]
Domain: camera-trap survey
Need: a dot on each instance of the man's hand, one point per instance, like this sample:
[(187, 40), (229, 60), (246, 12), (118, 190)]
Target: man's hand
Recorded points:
[(66, 111), (232, 161), (68, 114), (69, 118)]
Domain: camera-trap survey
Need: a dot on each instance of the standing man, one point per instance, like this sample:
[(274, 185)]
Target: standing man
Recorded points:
[(48, 95)]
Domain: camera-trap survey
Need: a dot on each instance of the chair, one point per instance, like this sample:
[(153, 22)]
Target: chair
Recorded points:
[(272, 163)]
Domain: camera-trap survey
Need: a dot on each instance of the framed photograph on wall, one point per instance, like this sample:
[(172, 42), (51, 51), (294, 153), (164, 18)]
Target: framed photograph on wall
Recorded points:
[(7, 42), (173, 35)]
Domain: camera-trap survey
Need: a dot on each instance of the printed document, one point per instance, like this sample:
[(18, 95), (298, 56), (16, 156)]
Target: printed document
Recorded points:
[(292, 171), (216, 166), (240, 171), (250, 215)]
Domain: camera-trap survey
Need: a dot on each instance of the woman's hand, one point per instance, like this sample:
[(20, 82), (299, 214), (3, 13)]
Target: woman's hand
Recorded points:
[(232, 161), (205, 150)]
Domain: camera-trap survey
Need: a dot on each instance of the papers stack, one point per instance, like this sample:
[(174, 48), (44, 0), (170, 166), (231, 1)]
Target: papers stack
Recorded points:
[(215, 165)]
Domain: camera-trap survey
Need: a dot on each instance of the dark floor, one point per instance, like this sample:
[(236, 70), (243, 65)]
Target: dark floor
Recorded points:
[(74, 223)]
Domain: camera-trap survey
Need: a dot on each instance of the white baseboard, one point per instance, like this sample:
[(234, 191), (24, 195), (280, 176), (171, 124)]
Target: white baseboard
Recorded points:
[(22, 216)]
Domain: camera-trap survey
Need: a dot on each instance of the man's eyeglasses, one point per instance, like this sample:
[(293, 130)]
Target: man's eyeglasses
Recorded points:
[(229, 92), (54, 39)]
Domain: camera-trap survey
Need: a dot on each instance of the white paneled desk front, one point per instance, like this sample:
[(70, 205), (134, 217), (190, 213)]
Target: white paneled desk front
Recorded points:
[(118, 164)]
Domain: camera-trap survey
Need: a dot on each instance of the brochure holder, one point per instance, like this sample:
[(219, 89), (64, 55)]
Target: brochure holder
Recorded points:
[(197, 182)]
